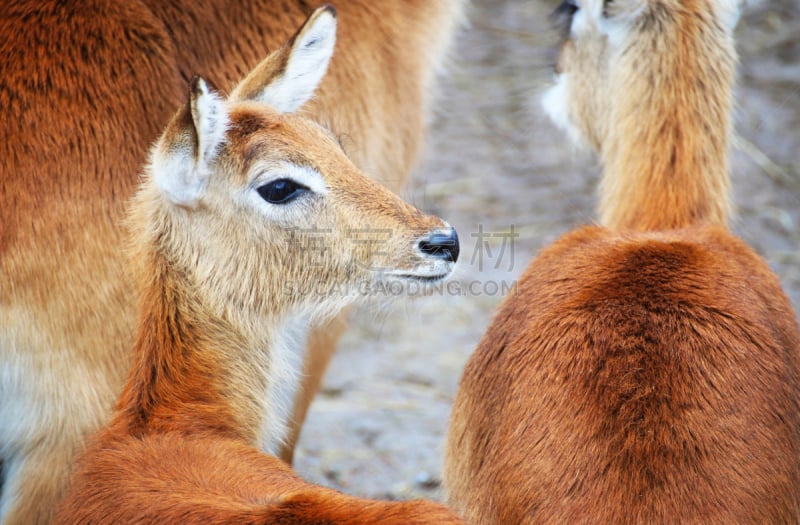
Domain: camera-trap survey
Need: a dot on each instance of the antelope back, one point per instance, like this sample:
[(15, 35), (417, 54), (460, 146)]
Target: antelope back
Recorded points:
[(633, 379)]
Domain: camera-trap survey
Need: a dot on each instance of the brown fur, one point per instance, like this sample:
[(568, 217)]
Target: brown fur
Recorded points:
[(85, 89), (232, 489), (213, 274), (641, 374)]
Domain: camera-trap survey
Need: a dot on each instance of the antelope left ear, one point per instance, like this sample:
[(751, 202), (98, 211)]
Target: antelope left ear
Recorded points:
[(181, 160), (288, 77)]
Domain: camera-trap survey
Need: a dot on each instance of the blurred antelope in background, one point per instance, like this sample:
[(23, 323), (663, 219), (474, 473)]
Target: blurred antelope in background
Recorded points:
[(231, 185), (647, 369), (86, 87)]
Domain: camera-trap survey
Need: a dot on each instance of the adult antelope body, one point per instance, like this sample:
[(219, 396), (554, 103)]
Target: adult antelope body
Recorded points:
[(86, 87), (647, 370), (232, 189)]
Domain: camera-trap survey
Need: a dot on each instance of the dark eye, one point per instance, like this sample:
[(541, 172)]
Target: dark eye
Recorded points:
[(562, 16), (281, 191), (567, 8)]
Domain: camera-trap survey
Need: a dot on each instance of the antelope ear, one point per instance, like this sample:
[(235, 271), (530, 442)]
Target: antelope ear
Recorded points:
[(288, 77), (181, 159)]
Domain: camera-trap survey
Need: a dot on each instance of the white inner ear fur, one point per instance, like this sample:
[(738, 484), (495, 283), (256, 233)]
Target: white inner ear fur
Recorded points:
[(307, 65), (180, 172), (210, 121)]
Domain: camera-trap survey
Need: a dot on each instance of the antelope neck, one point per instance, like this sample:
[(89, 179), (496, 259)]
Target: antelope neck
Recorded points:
[(666, 156), (196, 372)]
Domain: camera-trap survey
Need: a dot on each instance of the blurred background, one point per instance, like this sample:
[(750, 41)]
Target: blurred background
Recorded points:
[(510, 183)]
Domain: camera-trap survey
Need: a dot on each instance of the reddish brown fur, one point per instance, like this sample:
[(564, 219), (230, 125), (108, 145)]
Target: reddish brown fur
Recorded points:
[(633, 380), (241, 486), (85, 89), (640, 374), (175, 452), (215, 327)]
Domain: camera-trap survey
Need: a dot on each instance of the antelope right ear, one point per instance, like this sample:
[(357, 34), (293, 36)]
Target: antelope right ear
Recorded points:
[(181, 160), (288, 77)]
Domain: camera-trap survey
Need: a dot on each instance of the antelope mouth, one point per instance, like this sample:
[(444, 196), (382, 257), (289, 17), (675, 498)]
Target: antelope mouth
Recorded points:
[(422, 278), (439, 272)]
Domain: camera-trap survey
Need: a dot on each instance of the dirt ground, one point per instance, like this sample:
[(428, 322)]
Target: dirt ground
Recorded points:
[(496, 168)]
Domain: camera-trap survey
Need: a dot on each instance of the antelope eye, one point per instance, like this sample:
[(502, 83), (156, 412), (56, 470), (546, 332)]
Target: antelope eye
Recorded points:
[(281, 191), (568, 7), (563, 14)]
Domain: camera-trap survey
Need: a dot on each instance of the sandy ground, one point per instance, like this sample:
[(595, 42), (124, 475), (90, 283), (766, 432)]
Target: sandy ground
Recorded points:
[(495, 167)]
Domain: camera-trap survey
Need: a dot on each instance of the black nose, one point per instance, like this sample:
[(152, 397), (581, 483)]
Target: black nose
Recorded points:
[(441, 245)]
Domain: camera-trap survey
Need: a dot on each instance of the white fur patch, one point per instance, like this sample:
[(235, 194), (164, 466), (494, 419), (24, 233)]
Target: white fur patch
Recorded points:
[(307, 65), (175, 175), (555, 102), (286, 354)]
